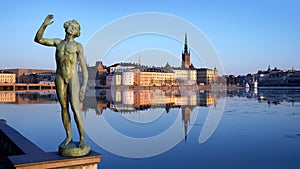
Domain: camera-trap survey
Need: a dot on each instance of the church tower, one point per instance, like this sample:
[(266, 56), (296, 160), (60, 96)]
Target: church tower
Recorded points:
[(186, 55)]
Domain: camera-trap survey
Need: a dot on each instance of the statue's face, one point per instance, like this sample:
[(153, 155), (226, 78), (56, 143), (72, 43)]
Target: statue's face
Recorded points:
[(73, 29)]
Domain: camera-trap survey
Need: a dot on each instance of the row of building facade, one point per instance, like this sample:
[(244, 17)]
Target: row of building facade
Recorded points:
[(129, 74), (267, 78), (26, 75), (133, 74)]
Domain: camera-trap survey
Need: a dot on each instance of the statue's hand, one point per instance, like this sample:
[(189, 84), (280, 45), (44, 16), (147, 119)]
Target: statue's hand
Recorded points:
[(81, 93), (48, 19)]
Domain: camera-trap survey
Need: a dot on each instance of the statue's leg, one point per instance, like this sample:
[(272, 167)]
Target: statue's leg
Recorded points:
[(74, 88), (61, 91)]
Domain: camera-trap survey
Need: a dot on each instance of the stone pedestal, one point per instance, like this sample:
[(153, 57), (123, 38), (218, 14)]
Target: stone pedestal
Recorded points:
[(29, 156), (73, 150), (54, 160)]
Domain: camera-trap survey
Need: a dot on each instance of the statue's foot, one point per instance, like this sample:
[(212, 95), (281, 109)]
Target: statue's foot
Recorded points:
[(67, 141), (82, 143)]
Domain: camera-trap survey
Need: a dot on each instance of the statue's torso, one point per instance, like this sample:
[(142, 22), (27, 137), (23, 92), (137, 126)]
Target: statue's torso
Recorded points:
[(66, 59)]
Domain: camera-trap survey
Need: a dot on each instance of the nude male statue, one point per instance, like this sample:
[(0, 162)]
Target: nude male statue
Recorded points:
[(68, 53)]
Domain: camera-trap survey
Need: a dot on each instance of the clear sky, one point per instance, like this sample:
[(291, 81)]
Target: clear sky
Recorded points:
[(248, 35)]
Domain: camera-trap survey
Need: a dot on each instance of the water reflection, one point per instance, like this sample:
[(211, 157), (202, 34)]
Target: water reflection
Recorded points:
[(269, 96), (131, 103), (129, 100), (45, 97), (250, 129)]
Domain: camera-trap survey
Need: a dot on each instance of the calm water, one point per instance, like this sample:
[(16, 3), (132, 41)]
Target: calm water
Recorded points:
[(171, 129)]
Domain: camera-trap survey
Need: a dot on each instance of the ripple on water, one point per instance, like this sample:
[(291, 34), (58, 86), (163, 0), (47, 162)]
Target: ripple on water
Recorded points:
[(295, 135)]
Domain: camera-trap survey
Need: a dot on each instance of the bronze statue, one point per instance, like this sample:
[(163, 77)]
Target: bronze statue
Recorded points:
[(68, 53)]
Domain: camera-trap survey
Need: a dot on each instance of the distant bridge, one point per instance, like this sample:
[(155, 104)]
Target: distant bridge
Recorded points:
[(26, 86)]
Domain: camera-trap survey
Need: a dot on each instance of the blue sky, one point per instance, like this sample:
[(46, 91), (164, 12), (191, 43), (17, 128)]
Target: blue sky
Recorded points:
[(248, 35)]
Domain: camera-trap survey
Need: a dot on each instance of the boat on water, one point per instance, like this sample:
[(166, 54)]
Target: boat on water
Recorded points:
[(247, 86)]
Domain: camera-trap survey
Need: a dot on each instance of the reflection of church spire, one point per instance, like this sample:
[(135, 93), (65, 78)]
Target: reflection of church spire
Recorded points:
[(185, 131), (186, 111)]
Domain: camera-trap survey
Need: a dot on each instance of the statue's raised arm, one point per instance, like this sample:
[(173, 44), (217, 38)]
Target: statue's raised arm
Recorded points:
[(39, 35)]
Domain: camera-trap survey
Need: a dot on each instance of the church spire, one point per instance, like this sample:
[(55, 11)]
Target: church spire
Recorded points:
[(186, 63), (185, 44)]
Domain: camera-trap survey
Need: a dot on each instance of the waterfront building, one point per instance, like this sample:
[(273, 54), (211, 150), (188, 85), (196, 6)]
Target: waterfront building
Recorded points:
[(185, 76), (207, 76), (127, 78), (133, 74), (294, 79), (121, 67), (121, 74), (31, 75), (97, 75), (114, 79), (156, 77), (7, 78), (277, 77)]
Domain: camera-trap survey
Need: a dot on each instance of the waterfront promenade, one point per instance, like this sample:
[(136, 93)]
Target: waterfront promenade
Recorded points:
[(26, 86)]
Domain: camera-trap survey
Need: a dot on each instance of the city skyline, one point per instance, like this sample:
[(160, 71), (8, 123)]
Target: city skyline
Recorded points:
[(248, 36)]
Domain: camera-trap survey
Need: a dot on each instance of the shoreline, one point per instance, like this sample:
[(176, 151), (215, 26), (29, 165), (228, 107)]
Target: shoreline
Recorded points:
[(202, 87)]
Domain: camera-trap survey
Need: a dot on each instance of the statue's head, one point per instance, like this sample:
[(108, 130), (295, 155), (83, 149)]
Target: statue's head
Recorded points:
[(72, 27)]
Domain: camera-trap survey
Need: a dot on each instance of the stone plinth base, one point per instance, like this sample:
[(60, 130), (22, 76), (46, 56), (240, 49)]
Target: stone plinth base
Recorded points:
[(54, 160), (29, 156), (73, 150)]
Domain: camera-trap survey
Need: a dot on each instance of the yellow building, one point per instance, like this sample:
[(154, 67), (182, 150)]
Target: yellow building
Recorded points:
[(155, 77), (7, 78)]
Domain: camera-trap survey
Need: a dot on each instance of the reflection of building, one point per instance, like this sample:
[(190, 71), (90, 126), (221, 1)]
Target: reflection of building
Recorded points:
[(7, 78), (270, 96), (98, 104), (186, 98), (130, 100), (127, 100), (7, 97), (278, 96), (207, 98), (28, 98)]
